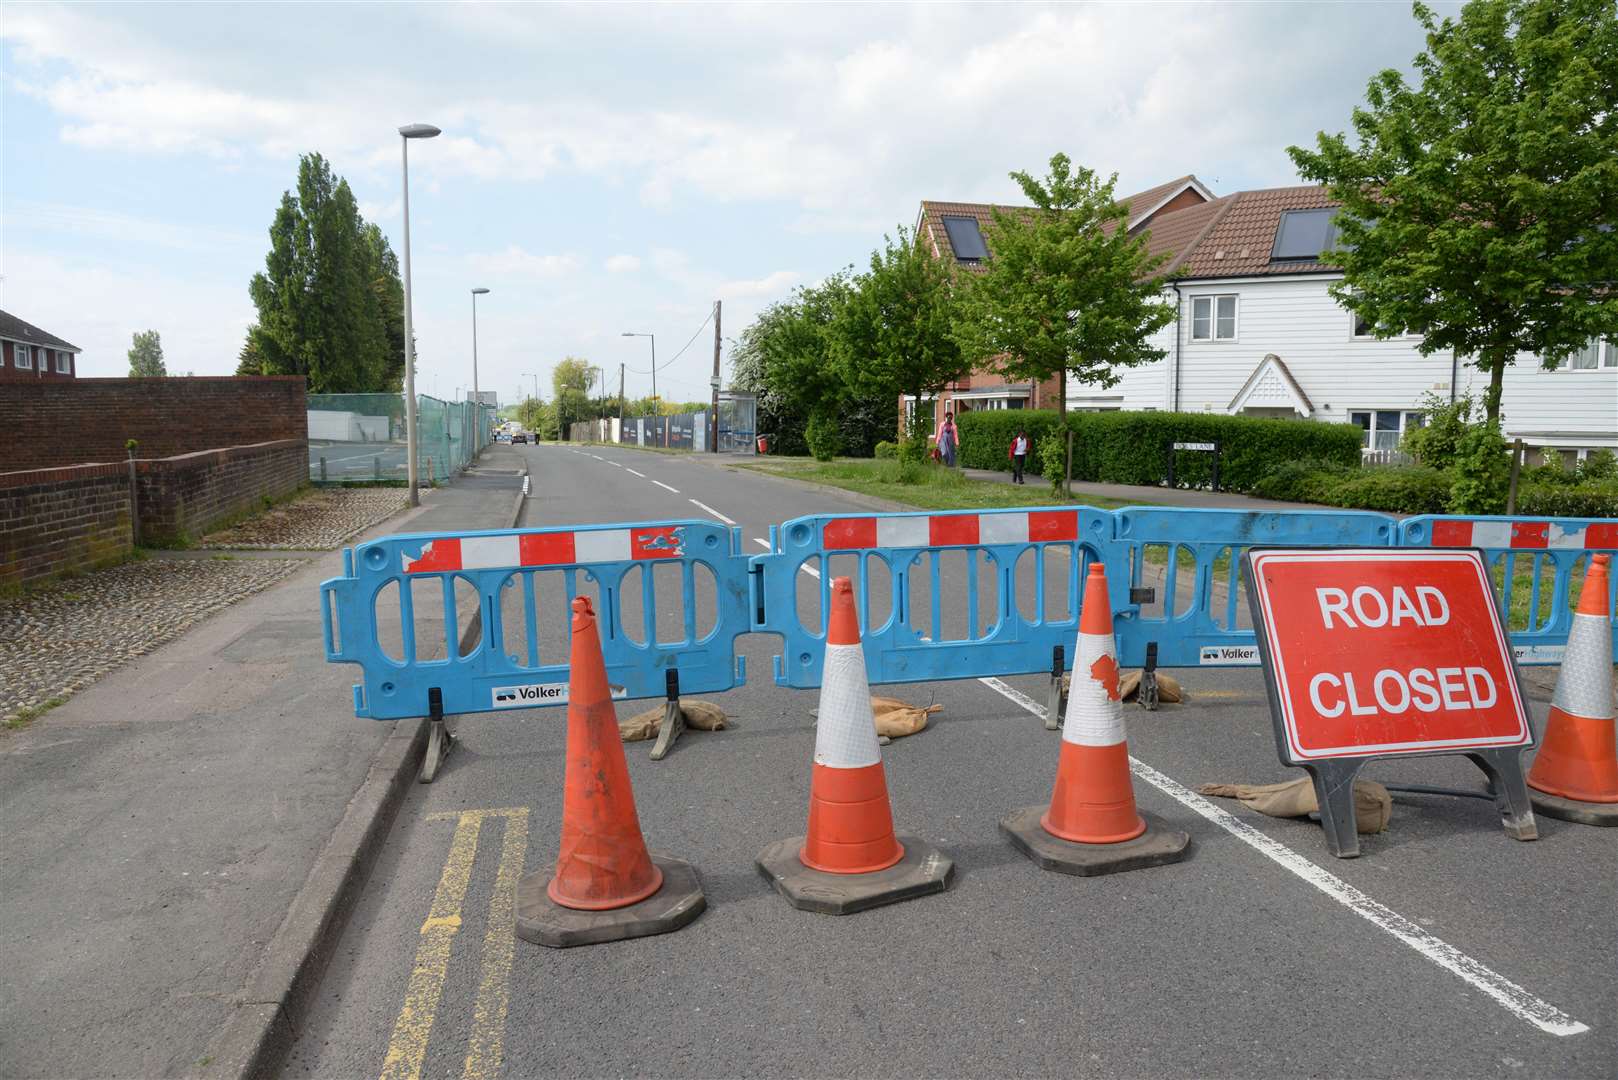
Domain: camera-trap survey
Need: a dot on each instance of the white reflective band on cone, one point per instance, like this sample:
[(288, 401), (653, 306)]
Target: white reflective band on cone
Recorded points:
[(1093, 717), (845, 734), (1584, 688)]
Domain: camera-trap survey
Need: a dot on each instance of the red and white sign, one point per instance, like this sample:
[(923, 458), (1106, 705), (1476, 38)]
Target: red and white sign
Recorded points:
[(1384, 652)]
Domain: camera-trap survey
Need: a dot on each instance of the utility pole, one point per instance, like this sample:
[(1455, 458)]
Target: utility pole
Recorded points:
[(620, 394), (713, 444)]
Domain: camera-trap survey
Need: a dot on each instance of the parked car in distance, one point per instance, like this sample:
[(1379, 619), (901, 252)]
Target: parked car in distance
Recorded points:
[(519, 437)]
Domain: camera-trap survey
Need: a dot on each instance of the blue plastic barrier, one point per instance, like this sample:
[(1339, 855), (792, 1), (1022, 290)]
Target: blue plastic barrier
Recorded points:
[(1205, 621), (504, 670), (955, 643), (1549, 552)]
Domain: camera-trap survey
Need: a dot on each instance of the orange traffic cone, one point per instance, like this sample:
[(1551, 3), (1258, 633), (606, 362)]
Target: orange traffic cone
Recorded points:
[(1575, 776), (1091, 825), (605, 885), (850, 859)]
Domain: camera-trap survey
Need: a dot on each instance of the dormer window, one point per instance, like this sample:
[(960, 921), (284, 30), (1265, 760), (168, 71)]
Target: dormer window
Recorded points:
[(966, 239)]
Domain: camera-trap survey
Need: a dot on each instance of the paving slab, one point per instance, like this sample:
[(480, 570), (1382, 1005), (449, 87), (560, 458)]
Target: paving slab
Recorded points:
[(161, 825)]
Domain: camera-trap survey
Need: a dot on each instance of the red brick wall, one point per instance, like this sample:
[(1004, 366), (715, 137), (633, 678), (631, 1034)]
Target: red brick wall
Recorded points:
[(77, 517), (188, 495), (54, 520), (46, 423)]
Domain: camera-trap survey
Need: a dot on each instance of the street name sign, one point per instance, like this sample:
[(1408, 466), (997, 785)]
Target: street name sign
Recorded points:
[(1378, 652), (1194, 446)]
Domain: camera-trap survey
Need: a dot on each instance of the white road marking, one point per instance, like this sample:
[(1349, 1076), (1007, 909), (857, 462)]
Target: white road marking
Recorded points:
[(632, 472), (806, 568), (710, 510), (1513, 998), (598, 457), (614, 464), (665, 487)]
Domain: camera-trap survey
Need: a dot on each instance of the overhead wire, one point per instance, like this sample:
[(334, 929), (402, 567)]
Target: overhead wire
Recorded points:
[(683, 348)]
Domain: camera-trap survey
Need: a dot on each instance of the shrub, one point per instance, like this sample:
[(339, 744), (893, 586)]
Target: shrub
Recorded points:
[(1409, 489), (886, 450), (1550, 474), (1133, 447), (1482, 471), (1598, 465), (985, 434), (1301, 481), (1595, 499), (823, 436), (1437, 441)]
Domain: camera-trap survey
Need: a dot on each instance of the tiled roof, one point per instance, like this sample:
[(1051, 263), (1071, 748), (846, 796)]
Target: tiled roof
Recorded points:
[(1238, 243), (14, 329), (930, 223), (1230, 236)]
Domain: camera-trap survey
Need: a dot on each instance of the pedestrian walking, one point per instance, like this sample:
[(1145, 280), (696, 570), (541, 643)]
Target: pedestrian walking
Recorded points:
[(947, 439), (1018, 453)]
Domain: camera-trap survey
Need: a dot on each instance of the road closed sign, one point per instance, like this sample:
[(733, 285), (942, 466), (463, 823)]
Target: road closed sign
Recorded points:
[(1373, 652)]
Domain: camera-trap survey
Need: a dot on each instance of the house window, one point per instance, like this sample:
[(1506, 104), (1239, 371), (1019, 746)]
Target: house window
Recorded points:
[(1596, 355), (24, 356), (64, 362), (928, 409), (1383, 428), (1213, 318)]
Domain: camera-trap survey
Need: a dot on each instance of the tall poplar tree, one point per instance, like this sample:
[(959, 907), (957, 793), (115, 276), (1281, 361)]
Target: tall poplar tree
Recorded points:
[(329, 298)]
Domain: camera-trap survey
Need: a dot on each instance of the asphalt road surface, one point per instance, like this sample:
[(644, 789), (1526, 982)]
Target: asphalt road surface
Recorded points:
[(354, 459), (1447, 949)]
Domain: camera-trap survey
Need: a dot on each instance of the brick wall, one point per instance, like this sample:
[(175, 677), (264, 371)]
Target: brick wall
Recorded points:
[(44, 423), (54, 520), (78, 517), (189, 494)]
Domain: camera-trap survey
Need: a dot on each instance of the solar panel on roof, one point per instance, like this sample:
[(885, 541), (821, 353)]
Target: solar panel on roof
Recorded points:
[(966, 239), (1303, 235)]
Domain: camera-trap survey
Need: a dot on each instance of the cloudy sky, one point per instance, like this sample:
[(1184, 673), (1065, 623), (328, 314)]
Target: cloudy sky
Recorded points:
[(603, 168)]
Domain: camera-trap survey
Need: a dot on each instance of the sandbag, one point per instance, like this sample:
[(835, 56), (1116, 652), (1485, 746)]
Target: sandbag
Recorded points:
[(895, 718), (1373, 806), (698, 716), (1169, 691)]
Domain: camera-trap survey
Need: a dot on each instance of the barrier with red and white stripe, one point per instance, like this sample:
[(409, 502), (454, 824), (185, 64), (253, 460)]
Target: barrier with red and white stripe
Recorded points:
[(950, 530), (567, 547), (1576, 534)]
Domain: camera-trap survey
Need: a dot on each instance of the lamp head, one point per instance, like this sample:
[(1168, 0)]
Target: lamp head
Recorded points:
[(419, 131), (479, 291)]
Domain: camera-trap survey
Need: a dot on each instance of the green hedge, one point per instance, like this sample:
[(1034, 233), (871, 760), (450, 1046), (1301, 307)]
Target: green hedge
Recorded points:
[(1592, 499), (1132, 447), (985, 434), (1416, 489)]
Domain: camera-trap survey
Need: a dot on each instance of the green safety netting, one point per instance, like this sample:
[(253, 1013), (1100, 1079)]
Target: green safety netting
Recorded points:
[(360, 438)]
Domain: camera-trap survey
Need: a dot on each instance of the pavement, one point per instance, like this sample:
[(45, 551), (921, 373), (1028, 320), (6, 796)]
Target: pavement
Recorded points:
[(163, 827), (1154, 496), (1446, 949)]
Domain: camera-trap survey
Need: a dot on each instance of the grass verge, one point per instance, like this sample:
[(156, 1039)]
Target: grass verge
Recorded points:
[(925, 486), (29, 713)]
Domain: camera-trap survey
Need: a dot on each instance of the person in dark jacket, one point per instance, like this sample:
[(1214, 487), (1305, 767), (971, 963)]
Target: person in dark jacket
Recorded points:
[(1018, 453)]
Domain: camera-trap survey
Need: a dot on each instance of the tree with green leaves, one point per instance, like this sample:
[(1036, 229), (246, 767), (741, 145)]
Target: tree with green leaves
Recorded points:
[(571, 380), (895, 335), (146, 355), (329, 298), (1066, 289), (1480, 206)]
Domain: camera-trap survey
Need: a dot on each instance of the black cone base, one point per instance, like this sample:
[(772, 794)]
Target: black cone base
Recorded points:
[(922, 871), (1157, 846), (1585, 813), (545, 922)]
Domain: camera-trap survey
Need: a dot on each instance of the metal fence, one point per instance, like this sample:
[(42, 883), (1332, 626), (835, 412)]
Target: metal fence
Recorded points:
[(683, 431), (360, 438)]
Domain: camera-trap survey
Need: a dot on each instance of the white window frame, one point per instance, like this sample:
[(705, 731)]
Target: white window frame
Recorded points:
[(1213, 316), (23, 356), (1354, 335), (1368, 444), (1606, 359), (64, 365)]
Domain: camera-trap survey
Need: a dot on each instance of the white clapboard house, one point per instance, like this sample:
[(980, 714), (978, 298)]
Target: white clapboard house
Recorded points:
[(1259, 335)]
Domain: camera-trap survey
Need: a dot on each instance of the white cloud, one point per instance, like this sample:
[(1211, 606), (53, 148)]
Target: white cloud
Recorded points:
[(515, 262), (622, 264), (770, 287)]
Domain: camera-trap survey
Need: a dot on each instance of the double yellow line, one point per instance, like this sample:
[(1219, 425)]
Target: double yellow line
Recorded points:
[(408, 1047)]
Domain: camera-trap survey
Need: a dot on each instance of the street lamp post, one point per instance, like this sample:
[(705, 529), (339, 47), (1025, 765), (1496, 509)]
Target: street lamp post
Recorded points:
[(477, 402), (654, 358), (406, 133)]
